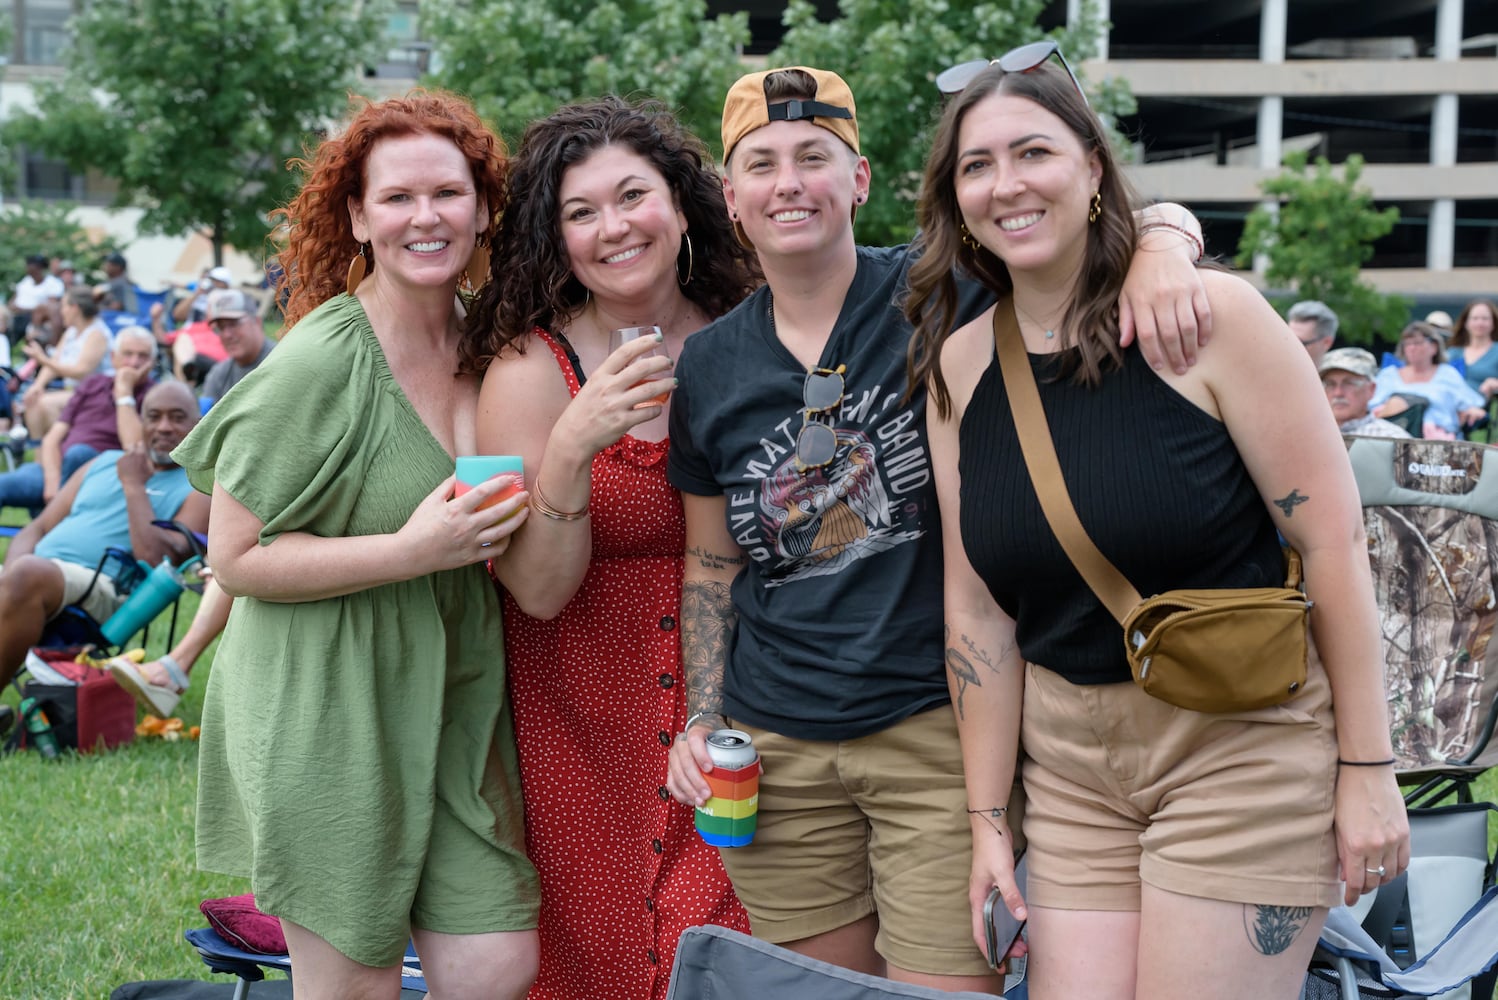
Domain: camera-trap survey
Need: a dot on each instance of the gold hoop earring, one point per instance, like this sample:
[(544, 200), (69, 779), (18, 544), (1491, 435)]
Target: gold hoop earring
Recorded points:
[(968, 240), (691, 261), (477, 271), (357, 268), (1096, 211)]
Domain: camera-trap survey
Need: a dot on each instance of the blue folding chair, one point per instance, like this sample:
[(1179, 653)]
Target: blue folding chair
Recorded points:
[(251, 967)]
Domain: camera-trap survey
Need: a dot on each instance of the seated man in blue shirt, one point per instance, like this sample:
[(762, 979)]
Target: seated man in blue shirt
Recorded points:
[(110, 502)]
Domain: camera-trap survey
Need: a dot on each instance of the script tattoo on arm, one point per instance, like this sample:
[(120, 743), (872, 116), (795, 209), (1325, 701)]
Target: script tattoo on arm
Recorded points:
[(714, 560), (1272, 929), (962, 666), (707, 623), (1289, 502)]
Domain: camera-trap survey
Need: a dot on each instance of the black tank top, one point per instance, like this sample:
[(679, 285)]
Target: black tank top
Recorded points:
[(1156, 482)]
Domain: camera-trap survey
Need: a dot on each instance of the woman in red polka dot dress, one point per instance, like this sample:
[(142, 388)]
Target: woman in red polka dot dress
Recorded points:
[(615, 219)]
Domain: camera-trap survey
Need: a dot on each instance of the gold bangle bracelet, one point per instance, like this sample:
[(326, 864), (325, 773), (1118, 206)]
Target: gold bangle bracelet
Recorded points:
[(544, 507)]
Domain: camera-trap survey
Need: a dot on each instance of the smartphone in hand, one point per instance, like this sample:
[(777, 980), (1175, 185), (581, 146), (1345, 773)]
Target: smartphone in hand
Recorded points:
[(1000, 928)]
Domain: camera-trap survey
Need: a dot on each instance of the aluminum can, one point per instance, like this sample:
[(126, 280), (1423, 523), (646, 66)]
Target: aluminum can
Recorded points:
[(729, 817)]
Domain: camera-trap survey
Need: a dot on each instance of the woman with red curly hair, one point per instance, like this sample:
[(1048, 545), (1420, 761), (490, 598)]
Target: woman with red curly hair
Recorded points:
[(358, 755)]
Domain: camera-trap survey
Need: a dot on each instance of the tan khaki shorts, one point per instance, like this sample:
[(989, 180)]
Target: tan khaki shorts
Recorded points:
[(876, 824), (1122, 788), (101, 602)]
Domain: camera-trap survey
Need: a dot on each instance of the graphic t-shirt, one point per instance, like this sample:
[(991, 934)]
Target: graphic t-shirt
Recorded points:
[(840, 607)]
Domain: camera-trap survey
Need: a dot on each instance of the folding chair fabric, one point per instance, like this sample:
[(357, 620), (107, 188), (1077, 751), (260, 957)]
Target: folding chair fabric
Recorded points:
[(1430, 509), (715, 963), (221, 956)]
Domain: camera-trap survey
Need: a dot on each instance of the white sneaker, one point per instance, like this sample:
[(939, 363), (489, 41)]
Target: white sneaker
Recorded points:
[(156, 697)]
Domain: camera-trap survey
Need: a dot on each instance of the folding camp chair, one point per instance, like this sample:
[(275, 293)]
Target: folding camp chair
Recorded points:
[(722, 964), (251, 967), (1430, 509)]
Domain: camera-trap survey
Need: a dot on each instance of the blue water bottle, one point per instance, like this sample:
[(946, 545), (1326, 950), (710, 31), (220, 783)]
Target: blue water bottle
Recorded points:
[(151, 597)]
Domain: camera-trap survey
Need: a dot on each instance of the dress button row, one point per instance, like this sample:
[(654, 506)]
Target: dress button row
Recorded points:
[(667, 680), (661, 791), (650, 954), (668, 623), (655, 845), (649, 906), (664, 737)]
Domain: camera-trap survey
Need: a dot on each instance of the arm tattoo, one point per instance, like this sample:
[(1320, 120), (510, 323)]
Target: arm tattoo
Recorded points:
[(1290, 502), (714, 560), (707, 623), (962, 667), (1272, 929)]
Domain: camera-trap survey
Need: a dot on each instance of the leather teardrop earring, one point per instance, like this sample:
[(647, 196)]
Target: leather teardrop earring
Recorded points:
[(357, 268)]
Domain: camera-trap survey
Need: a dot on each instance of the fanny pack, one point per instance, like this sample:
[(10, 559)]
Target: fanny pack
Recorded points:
[(1204, 650)]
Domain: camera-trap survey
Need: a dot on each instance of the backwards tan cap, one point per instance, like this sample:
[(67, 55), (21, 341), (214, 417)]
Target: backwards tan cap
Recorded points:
[(746, 108)]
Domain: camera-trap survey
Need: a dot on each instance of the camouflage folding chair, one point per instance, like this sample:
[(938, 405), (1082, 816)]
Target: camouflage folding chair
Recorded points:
[(1430, 509)]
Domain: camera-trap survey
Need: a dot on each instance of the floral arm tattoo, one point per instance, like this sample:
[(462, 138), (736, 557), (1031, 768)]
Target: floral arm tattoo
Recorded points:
[(962, 666), (707, 623)]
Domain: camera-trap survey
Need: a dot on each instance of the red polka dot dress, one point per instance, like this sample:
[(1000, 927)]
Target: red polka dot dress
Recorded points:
[(598, 695)]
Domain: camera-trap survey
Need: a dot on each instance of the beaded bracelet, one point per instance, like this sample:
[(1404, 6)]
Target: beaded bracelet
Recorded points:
[(1365, 763), (1191, 237), (541, 504)]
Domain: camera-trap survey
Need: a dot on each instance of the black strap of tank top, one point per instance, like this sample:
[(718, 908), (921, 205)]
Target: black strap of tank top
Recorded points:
[(577, 366)]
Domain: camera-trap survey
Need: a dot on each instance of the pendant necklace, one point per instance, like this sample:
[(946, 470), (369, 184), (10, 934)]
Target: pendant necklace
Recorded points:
[(1050, 332)]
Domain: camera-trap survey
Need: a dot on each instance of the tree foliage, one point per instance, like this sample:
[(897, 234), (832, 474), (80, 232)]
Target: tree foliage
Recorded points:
[(1318, 240), (47, 228), (194, 106), (521, 59), (890, 52)]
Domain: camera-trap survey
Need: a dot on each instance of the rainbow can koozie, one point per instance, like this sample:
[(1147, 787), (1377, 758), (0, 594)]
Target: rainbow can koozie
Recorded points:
[(728, 818)]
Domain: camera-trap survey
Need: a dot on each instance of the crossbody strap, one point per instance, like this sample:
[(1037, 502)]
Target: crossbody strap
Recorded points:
[(1110, 586)]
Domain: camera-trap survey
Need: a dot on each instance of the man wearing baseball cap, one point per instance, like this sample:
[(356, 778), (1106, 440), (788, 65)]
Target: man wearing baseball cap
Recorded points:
[(1347, 375), (235, 317), (812, 597), (118, 291)]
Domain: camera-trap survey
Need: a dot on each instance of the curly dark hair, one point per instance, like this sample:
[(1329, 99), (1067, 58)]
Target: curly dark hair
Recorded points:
[(319, 235), (530, 281), (1093, 314)]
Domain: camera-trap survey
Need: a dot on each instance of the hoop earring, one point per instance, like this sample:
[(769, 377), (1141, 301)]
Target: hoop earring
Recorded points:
[(357, 268), (691, 261), (968, 240), (477, 271), (1096, 211)]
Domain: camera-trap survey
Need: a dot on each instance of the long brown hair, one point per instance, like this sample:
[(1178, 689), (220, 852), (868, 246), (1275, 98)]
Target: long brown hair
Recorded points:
[(1459, 334), (531, 283), (1091, 320), (319, 235)]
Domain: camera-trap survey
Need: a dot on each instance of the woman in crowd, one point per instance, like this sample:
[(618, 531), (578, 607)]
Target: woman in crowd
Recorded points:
[(1473, 333), (1451, 403), (615, 219), (81, 351), (358, 756), (812, 584), (1148, 825)]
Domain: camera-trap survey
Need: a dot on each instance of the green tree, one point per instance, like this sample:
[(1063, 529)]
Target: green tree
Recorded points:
[(48, 228), (890, 52), (194, 106), (521, 59), (1318, 240)]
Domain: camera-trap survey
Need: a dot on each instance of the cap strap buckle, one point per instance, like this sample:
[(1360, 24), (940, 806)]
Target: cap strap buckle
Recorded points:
[(799, 110)]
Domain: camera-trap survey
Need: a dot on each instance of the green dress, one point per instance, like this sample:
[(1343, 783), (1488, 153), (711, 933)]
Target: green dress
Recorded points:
[(358, 754)]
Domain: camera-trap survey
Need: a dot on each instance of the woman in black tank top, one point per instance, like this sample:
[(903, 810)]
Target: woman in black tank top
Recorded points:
[(1148, 824)]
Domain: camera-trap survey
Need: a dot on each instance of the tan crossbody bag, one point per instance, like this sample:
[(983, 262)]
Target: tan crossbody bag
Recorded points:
[(1205, 650)]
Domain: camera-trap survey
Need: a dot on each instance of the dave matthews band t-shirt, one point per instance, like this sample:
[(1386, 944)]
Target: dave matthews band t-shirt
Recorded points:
[(839, 608)]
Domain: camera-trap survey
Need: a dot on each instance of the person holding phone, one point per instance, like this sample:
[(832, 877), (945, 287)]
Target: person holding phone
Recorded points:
[(1147, 824)]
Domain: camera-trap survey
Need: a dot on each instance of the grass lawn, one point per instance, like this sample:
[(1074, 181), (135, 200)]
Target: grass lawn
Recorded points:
[(97, 876)]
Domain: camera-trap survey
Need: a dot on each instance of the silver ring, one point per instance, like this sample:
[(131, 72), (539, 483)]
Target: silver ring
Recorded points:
[(1379, 871), (485, 545)]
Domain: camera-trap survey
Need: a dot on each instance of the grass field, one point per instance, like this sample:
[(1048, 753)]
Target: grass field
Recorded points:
[(97, 878)]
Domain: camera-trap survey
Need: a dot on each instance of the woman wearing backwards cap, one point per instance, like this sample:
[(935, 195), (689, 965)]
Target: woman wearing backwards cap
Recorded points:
[(812, 591)]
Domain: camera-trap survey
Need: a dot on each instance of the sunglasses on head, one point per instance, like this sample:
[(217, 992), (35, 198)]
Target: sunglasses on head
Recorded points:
[(955, 79), (816, 445)]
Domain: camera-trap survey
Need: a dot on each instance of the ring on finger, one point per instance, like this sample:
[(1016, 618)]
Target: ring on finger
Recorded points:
[(1380, 871)]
